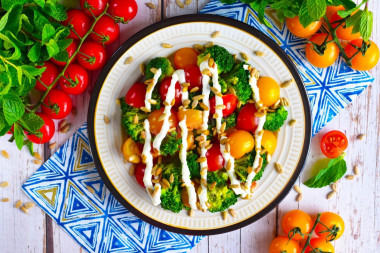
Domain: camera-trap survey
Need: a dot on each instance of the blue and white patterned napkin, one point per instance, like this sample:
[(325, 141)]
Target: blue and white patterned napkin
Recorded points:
[(69, 188), (330, 89)]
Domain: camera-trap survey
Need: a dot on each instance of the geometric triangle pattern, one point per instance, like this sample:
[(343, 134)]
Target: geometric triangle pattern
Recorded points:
[(330, 89), (94, 218)]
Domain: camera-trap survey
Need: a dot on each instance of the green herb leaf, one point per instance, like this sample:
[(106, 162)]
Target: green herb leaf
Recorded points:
[(13, 108), (29, 144), (345, 13), (41, 3), (4, 127), (354, 19), (32, 122), (7, 4), (55, 10), (19, 136), (304, 16), (47, 33), (4, 21), (348, 4), (335, 170), (34, 52), (366, 23), (316, 8)]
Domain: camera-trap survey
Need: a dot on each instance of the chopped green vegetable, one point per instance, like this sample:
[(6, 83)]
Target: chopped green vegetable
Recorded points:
[(221, 56), (171, 198), (170, 144), (238, 78), (219, 176), (159, 63), (193, 165), (275, 120), (127, 120), (221, 198), (242, 164)]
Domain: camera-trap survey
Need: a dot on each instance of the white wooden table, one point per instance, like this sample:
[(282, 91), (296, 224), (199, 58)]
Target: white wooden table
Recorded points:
[(358, 201)]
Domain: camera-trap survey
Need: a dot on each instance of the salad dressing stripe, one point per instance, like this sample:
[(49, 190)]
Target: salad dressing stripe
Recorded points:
[(149, 166), (178, 75), (185, 169), (148, 95)]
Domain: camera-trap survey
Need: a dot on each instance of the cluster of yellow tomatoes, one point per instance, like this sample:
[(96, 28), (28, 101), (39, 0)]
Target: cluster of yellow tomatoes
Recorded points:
[(326, 226), (322, 51)]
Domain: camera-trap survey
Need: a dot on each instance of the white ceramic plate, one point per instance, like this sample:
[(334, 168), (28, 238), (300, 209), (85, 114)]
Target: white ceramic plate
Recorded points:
[(185, 31)]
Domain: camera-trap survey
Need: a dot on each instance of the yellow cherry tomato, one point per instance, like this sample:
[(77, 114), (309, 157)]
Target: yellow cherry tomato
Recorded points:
[(269, 90), (189, 139), (269, 141), (294, 25), (131, 151), (194, 118), (241, 142), (156, 124)]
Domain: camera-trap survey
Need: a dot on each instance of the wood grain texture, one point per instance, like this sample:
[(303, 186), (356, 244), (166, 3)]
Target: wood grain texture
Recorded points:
[(357, 201)]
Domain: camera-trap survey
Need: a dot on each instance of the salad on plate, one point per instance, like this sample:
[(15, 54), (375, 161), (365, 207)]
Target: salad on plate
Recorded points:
[(201, 128)]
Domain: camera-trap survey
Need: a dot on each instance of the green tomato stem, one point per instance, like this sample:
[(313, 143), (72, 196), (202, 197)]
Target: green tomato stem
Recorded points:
[(311, 233)]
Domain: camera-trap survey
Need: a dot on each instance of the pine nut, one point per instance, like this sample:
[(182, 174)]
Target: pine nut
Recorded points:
[(128, 60)]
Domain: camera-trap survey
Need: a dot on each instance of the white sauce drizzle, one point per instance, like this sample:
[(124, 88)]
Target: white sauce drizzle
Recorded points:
[(149, 93), (156, 199), (185, 169), (178, 75)]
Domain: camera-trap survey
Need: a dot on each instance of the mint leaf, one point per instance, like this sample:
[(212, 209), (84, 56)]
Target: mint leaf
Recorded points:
[(4, 127), (32, 71), (47, 33), (19, 136), (335, 169), (354, 19), (348, 4), (13, 108), (316, 8), (52, 48), (304, 16), (7, 4), (34, 52), (345, 13), (40, 3), (366, 22), (4, 21), (55, 10), (32, 122)]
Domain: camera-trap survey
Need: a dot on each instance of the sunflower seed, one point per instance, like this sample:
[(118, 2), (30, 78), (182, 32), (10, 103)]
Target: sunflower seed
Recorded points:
[(204, 182), (206, 72), (278, 168), (220, 107), (151, 5), (166, 45), (232, 212), (166, 182), (201, 159), (128, 60), (199, 47), (234, 186), (24, 209), (5, 154), (158, 172), (156, 189), (232, 91), (356, 170), (212, 186), (144, 109), (203, 171), (287, 83), (330, 195), (106, 120), (65, 128), (299, 197), (180, 4), (211, 62), (361, 136), (4, 184), (334, 187), (259, 53), (52, 145), (245, 56), (142, 68), (297, 189), (4, 200), (228, 166), (350, 177), (171, 179), (203, 106), (292, 122), (215, 34), (209, 44), (18, 203), (191, 212), (224, 215), (37, 162)]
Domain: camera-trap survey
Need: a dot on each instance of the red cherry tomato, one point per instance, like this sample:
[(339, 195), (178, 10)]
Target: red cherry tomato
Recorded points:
[(75, 81), (49, 75), (106, 30), (193, 76), (215, 160), (139, 173), (136, 95), (70, 50), (184, 57), (57, 104), (246, 119), (164, 90), (126, 10), (229, 100), (79, 20), (333, 144), (92, 55), (46, 131), (95, 7)]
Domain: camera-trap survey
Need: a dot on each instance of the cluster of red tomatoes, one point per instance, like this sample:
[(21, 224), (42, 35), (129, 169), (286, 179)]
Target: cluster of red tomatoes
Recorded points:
[(329, 227), (91, 56), (240, 137), (322, 51)]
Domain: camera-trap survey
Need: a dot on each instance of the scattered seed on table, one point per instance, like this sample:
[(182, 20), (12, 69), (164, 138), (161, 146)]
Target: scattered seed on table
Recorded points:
[(187, 2), (128, 60), (297, 189), (180, 4), (356, 170), (299, 197), (52, 145), (4, 184), (166, 45), (215, 34), (29, 205), (330, 195), (350, 177), (151, 5), (65, 128), (361, 136), (62, 123), (37, 156), (292, 122), (5, 154), (37, 162), (334, 187), (18, 203), (24, 209), (5, 200)]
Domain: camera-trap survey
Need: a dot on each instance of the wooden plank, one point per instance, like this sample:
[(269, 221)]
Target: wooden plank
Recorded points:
[(19, 232), (172, 9)]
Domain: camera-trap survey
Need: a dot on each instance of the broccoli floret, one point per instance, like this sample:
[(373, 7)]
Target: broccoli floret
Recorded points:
[(156, 96), (171, 198), (223, 86), (128, 115), (219, 176), (193, 165), (220, 198), (170, 144), (238, 78), (230, 120), (242, 164), (275, 120), (171, 165), (221, 56), (159, 63)]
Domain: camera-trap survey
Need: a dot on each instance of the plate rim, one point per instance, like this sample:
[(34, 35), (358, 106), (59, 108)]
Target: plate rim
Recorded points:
[(189, 19)]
